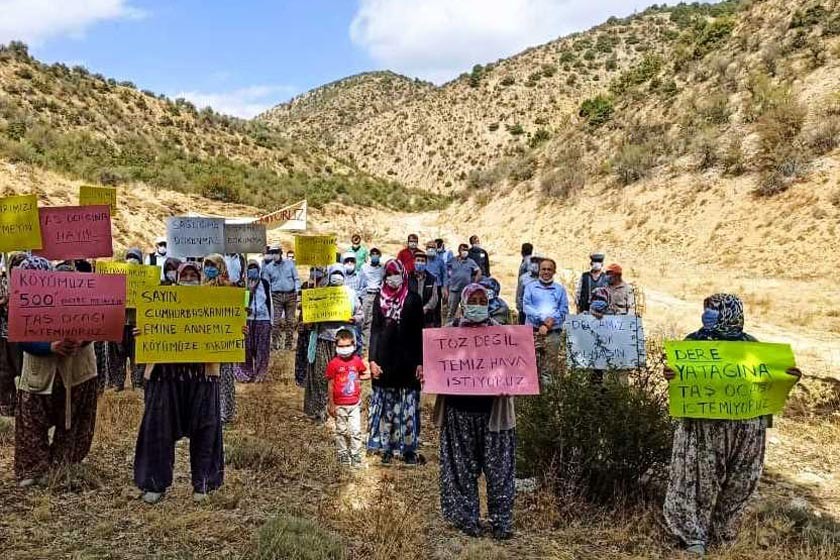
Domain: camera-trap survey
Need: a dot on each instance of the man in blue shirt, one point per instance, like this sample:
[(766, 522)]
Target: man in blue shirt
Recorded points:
[(283, 278), (461, 271), (435, 264), (546, 306), (443, 253)]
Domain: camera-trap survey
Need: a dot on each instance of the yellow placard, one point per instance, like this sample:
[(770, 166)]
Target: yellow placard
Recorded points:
[(94, 196), (322, 305), (728, 380), (316, 250), (184, 324), (20, 226), (140, 277)]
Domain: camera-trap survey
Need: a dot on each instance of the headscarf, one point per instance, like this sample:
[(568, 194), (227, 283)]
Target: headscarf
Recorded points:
[(469, 291), (135, 253), (35, 263), (15, 258), (730, 320), (391, 300), (491, 284), (218, 261), (189, 264), (171, 263)]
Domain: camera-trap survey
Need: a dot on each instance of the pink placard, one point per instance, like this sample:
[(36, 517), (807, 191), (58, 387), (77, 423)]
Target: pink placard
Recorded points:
[(480, 361), (47, 306), (75, 232)]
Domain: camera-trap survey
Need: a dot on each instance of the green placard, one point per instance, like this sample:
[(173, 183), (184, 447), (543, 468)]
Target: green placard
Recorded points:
[(728, 380)]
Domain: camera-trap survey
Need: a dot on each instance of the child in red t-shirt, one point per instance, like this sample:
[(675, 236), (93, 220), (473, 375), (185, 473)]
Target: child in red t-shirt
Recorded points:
[(344, 374)]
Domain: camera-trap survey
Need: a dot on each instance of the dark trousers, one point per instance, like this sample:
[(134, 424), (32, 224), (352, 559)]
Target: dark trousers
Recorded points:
[(467, 449), (180, 402), (10, 365), (36, 414)]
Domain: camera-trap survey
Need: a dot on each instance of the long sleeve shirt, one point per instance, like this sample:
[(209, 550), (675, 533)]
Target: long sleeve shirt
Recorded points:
[(353, 282), (437, 267), (282, 276), (482, 259), (542, 301), (524, 280), (370, 278)]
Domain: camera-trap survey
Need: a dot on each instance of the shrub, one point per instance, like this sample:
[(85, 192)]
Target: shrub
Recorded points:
[(294, 538), (597, 110), (521, 168), (548, 70), (777, 129), (633, 162), (492, 127), (541, 136), (516, 129), (597, 442), (637, 75), (475, 75), (825, 136), (704, 145), (252, 453), (732, 158), (508, 81), (715, 109)]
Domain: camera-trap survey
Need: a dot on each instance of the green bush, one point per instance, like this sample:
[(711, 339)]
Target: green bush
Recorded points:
[(508, 81), (287, 537), (597, 110), (645, 70), (515, 129), (633, 162), (595, 441), (540, 137)]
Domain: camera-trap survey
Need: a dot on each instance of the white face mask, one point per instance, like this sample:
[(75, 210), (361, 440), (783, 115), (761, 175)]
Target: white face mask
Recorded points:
[(465, 254), (345, 351), (188, 283), (337, 280), (171, 275), (597, 266), (161, 249), (412, 244), (132, 260), (394, 281), (350, 267)]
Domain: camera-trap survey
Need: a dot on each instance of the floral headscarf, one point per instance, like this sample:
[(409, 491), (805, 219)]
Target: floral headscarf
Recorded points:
[(35, 263), (730, 319), (391, 300), (492, 285), (218, 261), (184, 266)]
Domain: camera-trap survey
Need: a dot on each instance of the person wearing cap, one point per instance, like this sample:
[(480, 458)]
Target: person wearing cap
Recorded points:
[(479, 255), (531, 275), (235, 263), (406, 256), (360, 252), (526, 252), (590, 281), (460, 272), (435, 264), (423, 283), (370, 282), (158, 256), (546, 305), (285, 285), (620, 296)]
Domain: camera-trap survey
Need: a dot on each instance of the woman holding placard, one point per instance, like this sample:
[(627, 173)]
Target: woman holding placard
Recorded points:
[(477, 434), (260, 319), (56, 389), (10, 353), (182, 400), (715, 464), (215, 273)]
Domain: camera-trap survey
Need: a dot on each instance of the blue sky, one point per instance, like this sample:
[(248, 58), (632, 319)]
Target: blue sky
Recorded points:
[(243, 56)]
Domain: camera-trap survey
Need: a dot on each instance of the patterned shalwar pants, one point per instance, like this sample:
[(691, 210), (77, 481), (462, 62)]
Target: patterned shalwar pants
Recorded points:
[(367, 308), (467, 449), (36, 414), (315, 395), (227, 392), (715, 468), (285, 320)]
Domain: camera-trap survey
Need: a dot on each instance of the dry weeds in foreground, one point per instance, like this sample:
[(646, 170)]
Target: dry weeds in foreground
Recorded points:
[(281, 467)]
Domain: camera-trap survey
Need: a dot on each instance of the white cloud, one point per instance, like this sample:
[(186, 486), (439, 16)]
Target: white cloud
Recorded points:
[(35, 21), (439, 39), (245, 102)]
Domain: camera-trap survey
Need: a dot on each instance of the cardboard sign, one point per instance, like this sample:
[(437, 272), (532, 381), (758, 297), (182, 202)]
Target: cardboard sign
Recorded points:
[(728, 380), (614, 342), (47, 306), (185, 324), (480, 361), (290, 218), (75, 232), (315, 250), (97, 196), (322, 305), (195, 237), (245, 238), (139, 277), (20, 225)]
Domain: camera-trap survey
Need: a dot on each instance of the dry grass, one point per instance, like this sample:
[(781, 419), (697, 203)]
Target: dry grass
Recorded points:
[(284, 492)]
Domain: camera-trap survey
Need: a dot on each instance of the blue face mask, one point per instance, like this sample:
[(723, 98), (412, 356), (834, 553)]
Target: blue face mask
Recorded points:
[(710, 318), (420, 267), (253, 274), (374, 260), (476, 313), (211, 272)]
